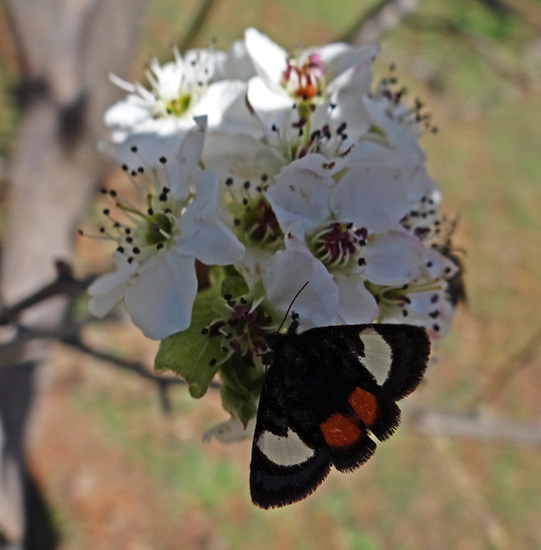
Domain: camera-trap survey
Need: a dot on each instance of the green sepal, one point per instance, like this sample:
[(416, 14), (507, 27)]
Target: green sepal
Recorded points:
[(189, 353), (233, 283), (240, 389), (376, 130)]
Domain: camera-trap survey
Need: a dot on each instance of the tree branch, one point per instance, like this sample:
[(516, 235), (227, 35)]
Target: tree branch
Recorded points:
[(380, 19), (478, 427), (71, 337), (197, 25), (64, 284), (508, 368), (476, 43), (69, 332)]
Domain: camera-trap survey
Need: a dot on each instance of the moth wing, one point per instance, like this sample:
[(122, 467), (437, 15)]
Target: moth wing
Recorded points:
[(395, 357), (287, 465), (378, 365), (327, 391), (410, 351)]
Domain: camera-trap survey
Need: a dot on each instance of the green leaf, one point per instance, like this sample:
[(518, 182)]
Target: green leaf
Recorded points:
[(233, 283), (240, 389), (189, 353)]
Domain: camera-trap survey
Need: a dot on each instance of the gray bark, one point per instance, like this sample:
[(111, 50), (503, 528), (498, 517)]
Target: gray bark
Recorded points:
[(66, 49)]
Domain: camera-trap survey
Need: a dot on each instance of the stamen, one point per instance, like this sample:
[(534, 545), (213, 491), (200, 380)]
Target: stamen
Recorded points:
[(102, 237), (128, 210)]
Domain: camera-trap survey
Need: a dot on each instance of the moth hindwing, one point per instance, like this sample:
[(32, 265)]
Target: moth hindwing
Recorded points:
[(327, 392)]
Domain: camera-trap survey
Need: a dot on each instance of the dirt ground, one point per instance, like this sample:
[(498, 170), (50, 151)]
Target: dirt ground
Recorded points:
[(100, 495)]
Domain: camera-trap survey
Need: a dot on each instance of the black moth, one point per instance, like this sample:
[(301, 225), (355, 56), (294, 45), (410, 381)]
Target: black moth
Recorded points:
[(326, 392)]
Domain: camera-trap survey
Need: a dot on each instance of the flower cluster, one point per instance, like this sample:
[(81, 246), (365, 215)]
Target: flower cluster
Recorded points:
[(276, 169)]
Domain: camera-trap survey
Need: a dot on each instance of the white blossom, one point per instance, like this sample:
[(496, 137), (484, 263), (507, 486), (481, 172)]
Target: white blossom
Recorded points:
[(353, 225), (425, 301), (157, 247), (179, 91), (308, 173), (287, 271), (313, 75)]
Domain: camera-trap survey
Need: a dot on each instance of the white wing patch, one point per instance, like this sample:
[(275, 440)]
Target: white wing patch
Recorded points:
[(378, 355), (285, 450)]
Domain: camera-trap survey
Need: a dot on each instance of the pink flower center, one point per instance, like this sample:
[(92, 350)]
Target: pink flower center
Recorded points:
[(304, 81), (338, 242), (243, 330)]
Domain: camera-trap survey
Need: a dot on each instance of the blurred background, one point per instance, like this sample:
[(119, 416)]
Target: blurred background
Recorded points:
[(97, 456)]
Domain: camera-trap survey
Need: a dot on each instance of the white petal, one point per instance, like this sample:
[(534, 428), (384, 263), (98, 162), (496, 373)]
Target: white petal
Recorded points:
[(294, 237), (182, 150), (393, 258), (203, 234), (106, 291), (414, 175), (147, 95), (126, 113), (348, 66), (151, 146), (349, 109), (300, 195), (162, 126), (231, 431), (419, 313), (374, 193), (241, 156), (319, 164), (399, 135), (238, 64), (225, 106), (200, 64), (121, 83), (269, 59), (170, 77), (368, 150), (263, 97), (204, 62), (160, 298), (251, 263), (286, 273), (357, 304), (330, 54), (190, 150), (437, 265)]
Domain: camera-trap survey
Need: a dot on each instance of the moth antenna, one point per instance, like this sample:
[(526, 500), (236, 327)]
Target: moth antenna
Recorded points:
[(295, 315)]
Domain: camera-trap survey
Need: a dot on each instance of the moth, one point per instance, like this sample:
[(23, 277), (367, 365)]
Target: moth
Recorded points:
[(329, 393)]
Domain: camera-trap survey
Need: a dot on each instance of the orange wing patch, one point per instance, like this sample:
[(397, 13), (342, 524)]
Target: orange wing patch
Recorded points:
[(365, 405), (341, 431)]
